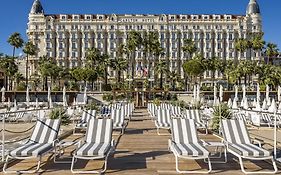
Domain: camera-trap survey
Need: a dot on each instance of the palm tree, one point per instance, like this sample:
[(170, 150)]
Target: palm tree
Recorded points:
[(134, 41), (257, 42), (119, 65), (104, 63), (241, 45), (29, 49), (16, 41), (10, 68), (161, 68), (17, 78), (174, 77), (93, 56), (189, 48), (271, 51)]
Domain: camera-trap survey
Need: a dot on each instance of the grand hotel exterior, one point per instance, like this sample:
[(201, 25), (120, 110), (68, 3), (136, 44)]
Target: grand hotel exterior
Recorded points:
[(66, 37)]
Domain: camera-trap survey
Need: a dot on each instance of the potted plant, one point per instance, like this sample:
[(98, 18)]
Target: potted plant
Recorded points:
[(60, 114), (221, 111)]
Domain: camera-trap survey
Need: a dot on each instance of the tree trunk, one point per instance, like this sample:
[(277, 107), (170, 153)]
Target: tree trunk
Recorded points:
[(14, 51), (119, 76), (105, 76), (26, 71), (161, 80)]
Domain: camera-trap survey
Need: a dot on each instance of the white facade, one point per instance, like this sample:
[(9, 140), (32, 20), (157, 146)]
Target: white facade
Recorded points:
[(67, 37)]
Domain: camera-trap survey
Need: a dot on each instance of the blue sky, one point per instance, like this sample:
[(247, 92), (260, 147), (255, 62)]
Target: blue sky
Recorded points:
[(14, 13)]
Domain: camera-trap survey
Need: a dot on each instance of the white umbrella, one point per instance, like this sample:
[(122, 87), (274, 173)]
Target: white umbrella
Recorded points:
[(268, 103), (279, 107), (9, 103), (264, 105), (244, 91), (198, 93), (3, 94), (279, 93), (245, 104), (85, 95), (236, 92), (50, 97), (258, 93), (254, 104), (229, 103), (51, 103), (234, 105), (74, 102), (36, 103), (215, 94), (272, 107), (64, 97), (15, 104), (258, 106), (267, 94), (194, 93), (221, 93), (242, 103), (27, 98)]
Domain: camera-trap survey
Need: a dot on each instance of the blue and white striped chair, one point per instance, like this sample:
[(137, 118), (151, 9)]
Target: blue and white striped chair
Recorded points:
[(239, 144), (86, 116), (185, 143), (42, 141), (98, 144), (163, 120)]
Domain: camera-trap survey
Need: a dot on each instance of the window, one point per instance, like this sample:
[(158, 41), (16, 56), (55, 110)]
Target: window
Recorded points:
[(173, 36), (230, 36), (112, 45), (88, 17), (162, 36), (60, 45), (173, 45), (112, 27), (60, 55), (161, 27), (48, 45), (49, 27), (208, 36), (112, 36), (48, 36), (219, 45), (86, 45), (86, 35), (73, 54), (73, 45), (99, 36)]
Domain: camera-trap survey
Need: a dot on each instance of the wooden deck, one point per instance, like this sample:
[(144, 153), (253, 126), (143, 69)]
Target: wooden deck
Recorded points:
[(140, 151)]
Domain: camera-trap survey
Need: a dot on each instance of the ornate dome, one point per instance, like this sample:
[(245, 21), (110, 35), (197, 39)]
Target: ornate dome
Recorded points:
[(37, 8), (253, 7)]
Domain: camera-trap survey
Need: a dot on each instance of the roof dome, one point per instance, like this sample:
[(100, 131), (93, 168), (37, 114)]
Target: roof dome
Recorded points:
[(253, 7), (37, 8)]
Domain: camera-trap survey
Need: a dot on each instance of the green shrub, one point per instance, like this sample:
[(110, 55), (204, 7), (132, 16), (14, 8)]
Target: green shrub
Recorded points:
[(106, 87), (55, 88), (21, 86), (73, 86), (60, 114), (92, 106), (156, 101), (107, 97), (221, 111)]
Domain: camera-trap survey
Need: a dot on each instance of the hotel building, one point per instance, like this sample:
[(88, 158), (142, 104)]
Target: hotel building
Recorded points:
[(66, 37)]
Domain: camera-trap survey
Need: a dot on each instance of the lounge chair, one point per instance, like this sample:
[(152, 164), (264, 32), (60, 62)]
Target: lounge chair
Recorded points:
[(98, 144), (239, 144), (186, 145), (176, 111), (196, 115), (86, 116), (42, 141), (163, 120), (267, 119), (105, 111), (118, 117)]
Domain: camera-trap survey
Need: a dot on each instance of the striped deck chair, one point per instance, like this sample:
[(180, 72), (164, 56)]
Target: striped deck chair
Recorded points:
[(105, 111), (17, 116), (118, 118), (163, 120), (185, 143), (175, 110), (241, 116), (86, 116), (149, 108), (238, 143), (196, 115), (42, 141), (98, 144), (267, 119)]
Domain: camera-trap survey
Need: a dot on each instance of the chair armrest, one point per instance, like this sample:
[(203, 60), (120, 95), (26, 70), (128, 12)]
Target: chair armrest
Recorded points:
[(258, 141), (55, 142), (113, 143)]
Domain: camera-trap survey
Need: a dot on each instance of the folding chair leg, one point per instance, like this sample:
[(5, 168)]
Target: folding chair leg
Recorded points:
[(6, 171), (88, 172), (258, 172), (200, 172)]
